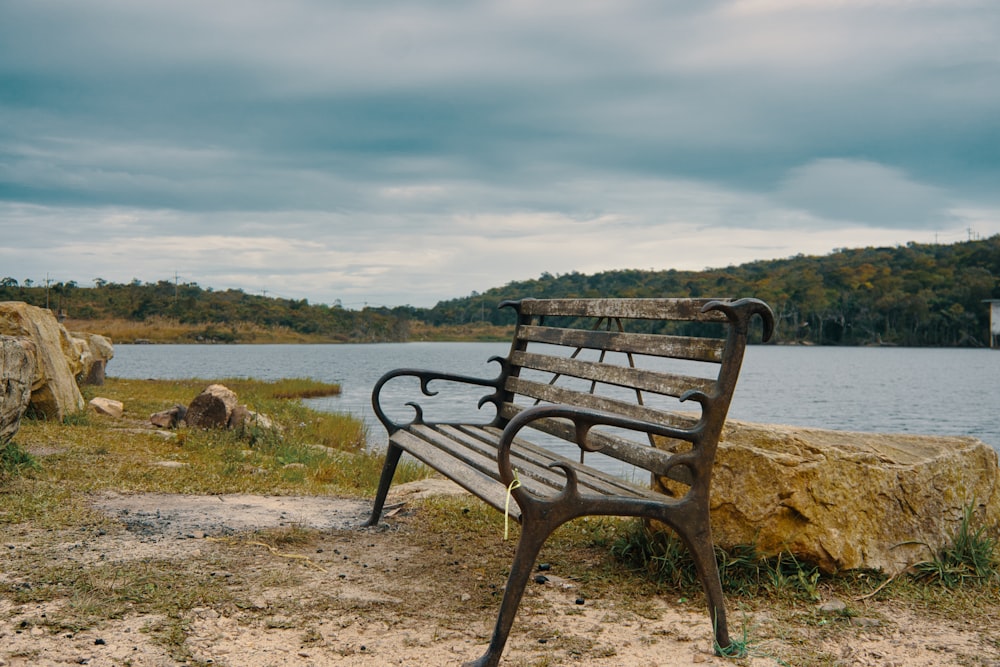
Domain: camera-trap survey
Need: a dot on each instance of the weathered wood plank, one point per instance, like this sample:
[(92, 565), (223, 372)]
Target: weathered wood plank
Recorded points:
[(635, 453), (675, 347), (667, 384), (548, 393), (647, 309), (469, 477), (526, 455)]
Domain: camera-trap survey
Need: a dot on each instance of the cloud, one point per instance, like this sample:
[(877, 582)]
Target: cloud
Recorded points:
[(396, 152), (865, 193)]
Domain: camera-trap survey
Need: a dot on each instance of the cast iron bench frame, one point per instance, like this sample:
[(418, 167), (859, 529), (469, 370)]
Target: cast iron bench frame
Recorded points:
[(550, 489)]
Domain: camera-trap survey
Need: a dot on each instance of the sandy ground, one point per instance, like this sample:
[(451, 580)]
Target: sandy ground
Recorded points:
[(354, 596)]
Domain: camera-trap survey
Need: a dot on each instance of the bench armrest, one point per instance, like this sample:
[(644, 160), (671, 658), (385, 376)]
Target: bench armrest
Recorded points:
[(426, 377), (583, 420)]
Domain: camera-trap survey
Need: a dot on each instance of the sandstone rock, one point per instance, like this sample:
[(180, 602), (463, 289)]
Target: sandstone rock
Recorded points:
[(17, 370), (211, 408), (847, 500), (54, 392), (107, 406), (169, 418), (95, 353)]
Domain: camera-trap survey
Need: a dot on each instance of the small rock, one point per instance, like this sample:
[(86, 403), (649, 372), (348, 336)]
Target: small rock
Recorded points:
[(541, 579), (833, 607), (169, 418), (107, 406), (170, 464), (466, 597)]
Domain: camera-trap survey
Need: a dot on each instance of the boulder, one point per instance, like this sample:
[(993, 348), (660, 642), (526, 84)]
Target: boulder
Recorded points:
[(844, 500), (17, 371), (95, 352), (212, 408), (54, 392), (107, 406)]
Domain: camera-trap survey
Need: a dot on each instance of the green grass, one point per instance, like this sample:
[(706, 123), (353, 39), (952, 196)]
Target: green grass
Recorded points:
[(972, 557), (307, 453), (14, 460)]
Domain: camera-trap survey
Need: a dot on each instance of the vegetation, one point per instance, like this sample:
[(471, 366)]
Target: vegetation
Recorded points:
[(917, 294), (49, 477)]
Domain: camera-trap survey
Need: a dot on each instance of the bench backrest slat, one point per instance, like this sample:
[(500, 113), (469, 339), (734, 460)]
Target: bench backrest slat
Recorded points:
[(547, 393), (668, 384), (645, 309), (675, 347), (606, 355)]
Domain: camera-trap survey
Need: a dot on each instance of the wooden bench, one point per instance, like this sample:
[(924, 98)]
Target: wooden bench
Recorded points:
[(644, 382)]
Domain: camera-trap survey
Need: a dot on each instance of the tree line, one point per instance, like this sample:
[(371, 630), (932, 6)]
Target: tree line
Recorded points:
[(912, 295)]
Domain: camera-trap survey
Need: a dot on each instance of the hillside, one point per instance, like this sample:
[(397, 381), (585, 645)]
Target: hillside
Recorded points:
[(914, 295)]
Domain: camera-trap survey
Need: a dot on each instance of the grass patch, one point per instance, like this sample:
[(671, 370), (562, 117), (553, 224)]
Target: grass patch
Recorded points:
[(14, 460), (970, 558)]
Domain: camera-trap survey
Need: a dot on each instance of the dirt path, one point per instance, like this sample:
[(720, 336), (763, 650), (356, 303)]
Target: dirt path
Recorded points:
[(350, 596)]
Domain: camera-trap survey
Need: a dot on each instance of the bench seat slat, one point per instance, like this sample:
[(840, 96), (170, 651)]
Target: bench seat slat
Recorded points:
[(650, 309), (667, 384), (533, 470), (467, 455), (469, 477), (674, 347), (640, 455), (525, 453)]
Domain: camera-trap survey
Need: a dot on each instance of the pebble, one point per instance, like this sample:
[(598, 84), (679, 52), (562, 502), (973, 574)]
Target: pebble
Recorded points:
[(833, 607)]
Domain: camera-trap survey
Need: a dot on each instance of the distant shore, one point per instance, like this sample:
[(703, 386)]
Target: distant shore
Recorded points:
[(159, 331)]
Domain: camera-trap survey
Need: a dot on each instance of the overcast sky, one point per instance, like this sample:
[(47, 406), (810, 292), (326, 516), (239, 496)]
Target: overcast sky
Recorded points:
[(390, 153)]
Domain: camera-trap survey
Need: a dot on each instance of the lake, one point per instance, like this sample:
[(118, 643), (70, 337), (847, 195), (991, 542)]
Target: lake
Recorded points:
[(885, 390)]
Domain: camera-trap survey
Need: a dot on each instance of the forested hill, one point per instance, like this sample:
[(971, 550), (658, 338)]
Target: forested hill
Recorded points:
[(911, 295)]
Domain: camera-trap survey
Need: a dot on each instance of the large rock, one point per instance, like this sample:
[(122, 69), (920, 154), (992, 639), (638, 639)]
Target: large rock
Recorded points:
[(54, 392), (95, 351), (845, 500), (212, 408), (17, 371)]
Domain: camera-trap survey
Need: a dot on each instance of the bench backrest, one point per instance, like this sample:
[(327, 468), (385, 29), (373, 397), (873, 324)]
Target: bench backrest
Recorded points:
[(666, 361)]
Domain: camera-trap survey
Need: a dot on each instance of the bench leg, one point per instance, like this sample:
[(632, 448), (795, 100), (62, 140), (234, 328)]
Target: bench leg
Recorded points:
[(388, 470), (703, 553), (524, 561)]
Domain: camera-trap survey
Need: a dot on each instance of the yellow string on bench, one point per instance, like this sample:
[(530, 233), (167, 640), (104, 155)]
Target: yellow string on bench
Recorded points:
[(515, 483)]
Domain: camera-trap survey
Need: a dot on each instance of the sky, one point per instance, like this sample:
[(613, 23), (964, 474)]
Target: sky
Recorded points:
[(393, 153)]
